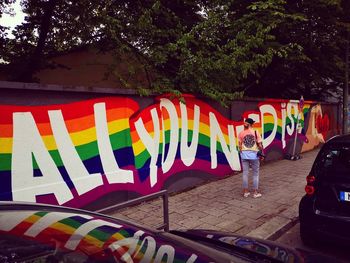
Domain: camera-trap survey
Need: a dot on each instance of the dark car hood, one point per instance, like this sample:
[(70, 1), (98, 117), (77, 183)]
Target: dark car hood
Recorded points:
[(45, 233), (258, 249), (98, 236)]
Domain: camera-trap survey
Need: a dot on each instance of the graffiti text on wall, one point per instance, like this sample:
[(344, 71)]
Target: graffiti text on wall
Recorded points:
[(74, 153)]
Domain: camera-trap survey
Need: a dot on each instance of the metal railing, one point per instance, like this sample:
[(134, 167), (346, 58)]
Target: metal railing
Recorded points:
[(136, 201)]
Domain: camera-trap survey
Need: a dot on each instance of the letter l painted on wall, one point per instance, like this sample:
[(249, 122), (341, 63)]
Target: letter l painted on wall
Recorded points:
[(110, 166), (82, 180)]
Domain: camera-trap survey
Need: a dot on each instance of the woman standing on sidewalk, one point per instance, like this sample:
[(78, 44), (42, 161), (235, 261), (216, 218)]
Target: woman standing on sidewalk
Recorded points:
[(249, 144)]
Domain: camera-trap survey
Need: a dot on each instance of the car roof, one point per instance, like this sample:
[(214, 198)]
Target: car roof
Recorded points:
[(340, 139)]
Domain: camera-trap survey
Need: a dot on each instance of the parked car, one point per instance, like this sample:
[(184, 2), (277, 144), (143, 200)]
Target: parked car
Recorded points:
[(324, 211), (44, 233)]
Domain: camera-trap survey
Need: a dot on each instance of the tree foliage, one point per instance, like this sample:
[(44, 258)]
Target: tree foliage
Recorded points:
[(318, 71), (219, 48), (4, 9)]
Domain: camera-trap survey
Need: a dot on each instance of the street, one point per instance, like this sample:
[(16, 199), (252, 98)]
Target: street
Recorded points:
[(292, 238)]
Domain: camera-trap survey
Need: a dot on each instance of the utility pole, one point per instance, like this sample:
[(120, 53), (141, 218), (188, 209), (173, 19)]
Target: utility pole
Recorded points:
[(346, 88)]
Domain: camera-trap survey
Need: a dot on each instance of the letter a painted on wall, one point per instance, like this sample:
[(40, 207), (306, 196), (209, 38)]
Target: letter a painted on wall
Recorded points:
[(27, 142)]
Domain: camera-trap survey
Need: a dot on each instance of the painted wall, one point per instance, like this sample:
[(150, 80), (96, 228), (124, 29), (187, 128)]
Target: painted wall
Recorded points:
[(82, 154)]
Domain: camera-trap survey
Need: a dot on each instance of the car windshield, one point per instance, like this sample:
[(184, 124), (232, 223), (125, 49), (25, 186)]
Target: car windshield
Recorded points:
[(336, 160)]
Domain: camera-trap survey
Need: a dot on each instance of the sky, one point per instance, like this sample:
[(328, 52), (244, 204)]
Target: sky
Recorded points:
[(7, 20)]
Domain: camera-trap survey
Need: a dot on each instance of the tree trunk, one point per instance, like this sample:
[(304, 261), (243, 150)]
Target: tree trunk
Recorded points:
[(35, 59)]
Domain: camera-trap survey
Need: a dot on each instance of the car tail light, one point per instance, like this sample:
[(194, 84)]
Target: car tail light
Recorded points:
[(309, 188), (310, 179)]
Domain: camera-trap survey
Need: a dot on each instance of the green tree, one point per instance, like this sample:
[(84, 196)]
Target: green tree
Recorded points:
[(317, 71), (219, 49), (50, 27), (214, 50), (4, 9)]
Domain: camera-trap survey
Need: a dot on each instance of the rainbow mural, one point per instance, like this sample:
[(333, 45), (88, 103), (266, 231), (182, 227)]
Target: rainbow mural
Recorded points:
[(73, 154)]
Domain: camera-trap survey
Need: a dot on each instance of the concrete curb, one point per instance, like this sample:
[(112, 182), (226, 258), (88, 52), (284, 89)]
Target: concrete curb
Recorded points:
[(281, 231), (274, 228)]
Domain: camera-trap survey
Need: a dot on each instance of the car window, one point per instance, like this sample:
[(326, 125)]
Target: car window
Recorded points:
[(337, 160)]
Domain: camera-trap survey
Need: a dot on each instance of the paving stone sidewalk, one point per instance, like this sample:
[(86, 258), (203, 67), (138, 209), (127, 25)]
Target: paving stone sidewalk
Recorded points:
[(219, 205)]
